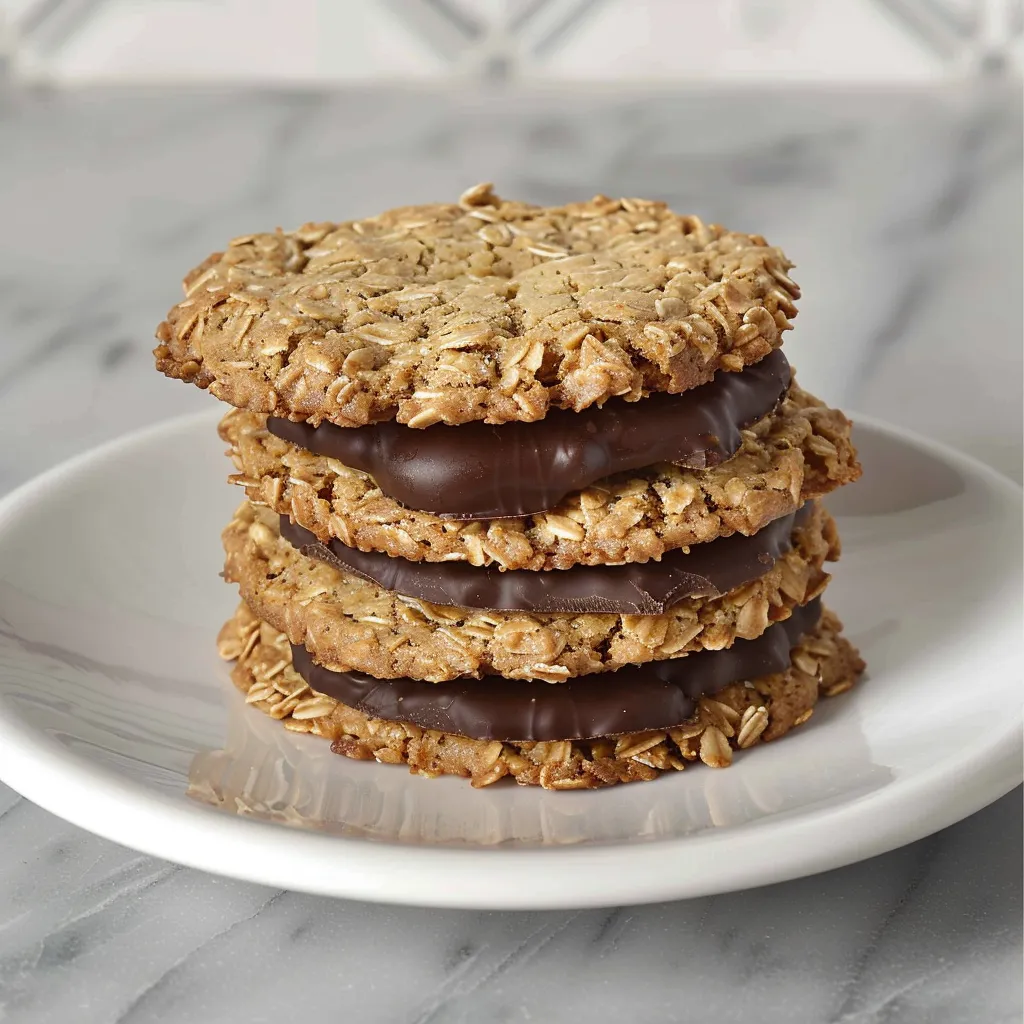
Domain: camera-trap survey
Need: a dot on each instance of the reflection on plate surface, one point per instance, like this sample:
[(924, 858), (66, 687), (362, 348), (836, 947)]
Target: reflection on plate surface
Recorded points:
[(266, 772)]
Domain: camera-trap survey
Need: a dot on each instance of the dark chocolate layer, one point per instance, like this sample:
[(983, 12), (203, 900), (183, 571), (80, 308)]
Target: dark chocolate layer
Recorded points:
[(645, 588), (658, 695), (478, 471)]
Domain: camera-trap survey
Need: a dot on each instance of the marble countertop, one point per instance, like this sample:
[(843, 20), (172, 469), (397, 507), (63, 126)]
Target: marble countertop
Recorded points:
[(903, 212)]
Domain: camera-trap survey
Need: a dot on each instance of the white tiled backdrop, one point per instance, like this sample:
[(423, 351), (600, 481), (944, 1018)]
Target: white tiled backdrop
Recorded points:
[(618, 40)]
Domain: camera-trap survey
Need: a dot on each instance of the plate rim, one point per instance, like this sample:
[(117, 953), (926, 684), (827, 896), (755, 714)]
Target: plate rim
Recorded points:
[(101, 800)]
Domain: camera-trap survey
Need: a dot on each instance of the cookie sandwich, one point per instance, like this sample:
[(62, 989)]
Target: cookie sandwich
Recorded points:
[(530, 492)]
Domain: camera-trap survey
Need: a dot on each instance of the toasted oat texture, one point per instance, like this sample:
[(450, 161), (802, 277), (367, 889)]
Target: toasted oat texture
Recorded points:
[(801, 452), (348, 623), (482, 310), (739, 716)]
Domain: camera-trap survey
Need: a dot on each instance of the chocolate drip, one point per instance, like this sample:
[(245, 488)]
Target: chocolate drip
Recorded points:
[(658, 695), (645, 588), (479, 471)]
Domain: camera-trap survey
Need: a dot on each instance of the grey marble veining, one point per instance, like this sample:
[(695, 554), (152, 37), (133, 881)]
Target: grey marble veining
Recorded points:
[(903, 212)]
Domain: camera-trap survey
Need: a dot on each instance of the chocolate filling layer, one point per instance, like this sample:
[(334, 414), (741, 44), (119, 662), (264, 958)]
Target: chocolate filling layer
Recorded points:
[(645, 588), (478, 471), (658, 695)]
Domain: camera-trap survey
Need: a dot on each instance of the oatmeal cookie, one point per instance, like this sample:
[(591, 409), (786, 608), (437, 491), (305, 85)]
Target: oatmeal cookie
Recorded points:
[(481, 310), (801, 452), (348, 623)]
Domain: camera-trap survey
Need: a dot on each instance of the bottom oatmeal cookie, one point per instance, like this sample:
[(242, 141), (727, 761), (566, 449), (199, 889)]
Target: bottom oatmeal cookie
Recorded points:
[(735, 717)]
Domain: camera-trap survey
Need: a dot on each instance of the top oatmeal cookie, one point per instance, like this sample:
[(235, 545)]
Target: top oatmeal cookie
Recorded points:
[(482, 310)]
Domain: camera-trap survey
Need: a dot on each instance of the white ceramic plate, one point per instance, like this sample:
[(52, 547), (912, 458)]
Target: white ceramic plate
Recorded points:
[(116, 714)]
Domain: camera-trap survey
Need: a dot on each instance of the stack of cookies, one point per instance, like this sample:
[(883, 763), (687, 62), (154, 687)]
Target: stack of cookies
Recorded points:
[(531, 492)]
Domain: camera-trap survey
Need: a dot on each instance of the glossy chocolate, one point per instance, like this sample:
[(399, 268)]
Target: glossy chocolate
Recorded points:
[(479, 471), (658, 695), (645, 588)]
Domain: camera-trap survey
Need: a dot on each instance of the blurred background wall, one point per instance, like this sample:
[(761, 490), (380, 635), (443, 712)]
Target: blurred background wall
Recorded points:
[(77, 41)]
